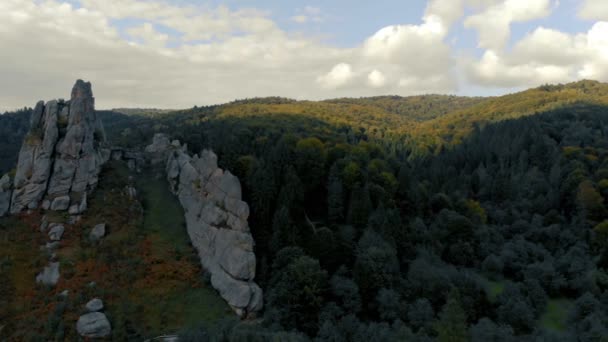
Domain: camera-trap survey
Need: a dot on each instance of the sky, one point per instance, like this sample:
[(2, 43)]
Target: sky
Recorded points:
[(182, 53)]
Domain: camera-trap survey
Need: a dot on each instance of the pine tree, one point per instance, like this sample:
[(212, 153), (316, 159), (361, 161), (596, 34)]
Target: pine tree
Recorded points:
[(452, 324), (335, 196)]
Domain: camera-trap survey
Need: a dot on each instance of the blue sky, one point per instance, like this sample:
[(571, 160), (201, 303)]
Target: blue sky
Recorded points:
[(188, 52)]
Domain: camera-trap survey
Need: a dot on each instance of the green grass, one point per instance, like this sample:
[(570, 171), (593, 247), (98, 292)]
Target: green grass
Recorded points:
[(165, 224), (556, 314), (163, 213)]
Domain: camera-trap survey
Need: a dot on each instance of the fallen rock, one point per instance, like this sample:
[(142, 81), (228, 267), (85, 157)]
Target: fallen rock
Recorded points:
[(50, 275), (94, 305), (56, 232), (93, 325), (98, 232)]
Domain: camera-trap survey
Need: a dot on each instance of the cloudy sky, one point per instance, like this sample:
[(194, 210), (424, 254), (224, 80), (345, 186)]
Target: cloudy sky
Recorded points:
[(181, 53)]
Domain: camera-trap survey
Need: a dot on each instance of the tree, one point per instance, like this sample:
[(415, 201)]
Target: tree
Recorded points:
[(360, 206), (347, 293), (284, 232), (376, 266), (335, 196), (310, 161), (590, 201), (389, 305), (486, 330), (452, 323), (420, 313), (298, 294)]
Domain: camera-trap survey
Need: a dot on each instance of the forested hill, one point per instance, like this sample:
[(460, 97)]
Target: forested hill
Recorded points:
[(499, 234), (419, 108), (451, 128)]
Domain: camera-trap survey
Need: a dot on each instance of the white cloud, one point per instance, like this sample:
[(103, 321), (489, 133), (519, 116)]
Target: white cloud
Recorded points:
[(493, 23), (339, 76), (594, 10), (221, 54), (376, 79), (545, 56), (148, 34)]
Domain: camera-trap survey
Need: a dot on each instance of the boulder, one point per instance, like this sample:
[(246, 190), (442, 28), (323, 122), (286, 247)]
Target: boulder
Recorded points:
[(50, 275), (94, 305), (56, 232), (61, 155), (93, 325), (98, 232)]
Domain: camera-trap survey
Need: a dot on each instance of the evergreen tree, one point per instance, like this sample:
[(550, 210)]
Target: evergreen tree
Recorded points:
[(452, 324), (335, 196)]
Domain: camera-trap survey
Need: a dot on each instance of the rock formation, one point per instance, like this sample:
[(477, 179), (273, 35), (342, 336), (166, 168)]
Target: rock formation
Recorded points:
[(61, 156), (216, 219)]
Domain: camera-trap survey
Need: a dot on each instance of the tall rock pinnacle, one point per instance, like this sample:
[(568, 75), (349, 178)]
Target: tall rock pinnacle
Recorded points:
[(61, 156)]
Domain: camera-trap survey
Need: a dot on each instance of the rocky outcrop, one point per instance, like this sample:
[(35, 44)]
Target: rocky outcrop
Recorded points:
[(216, 219), (61, 156), (5, 195)]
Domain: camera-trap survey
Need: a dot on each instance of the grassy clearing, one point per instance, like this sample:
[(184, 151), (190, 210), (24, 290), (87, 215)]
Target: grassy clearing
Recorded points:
[(145, 270), (556, 314)]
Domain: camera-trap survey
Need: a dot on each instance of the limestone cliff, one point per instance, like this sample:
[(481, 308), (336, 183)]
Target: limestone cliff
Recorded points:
[(216, 219), (61, 156)]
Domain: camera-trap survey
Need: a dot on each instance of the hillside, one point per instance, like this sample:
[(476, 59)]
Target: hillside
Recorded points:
[(418, 108), (453, 127), (429, 218)]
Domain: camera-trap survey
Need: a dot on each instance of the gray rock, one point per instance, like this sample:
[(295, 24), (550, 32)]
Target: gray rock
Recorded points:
[(50, 275), (61, 154), (216, 220), (60, 203), (46, 204), (64, 294), (94, 305), (98, 232), (93, 325), (56, 232)]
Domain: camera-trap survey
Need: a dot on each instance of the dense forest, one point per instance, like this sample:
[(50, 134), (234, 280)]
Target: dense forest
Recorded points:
[(413, 219)]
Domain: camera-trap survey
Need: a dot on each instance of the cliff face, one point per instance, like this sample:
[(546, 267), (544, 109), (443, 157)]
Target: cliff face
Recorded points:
[(216, 219), (61, 156)]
